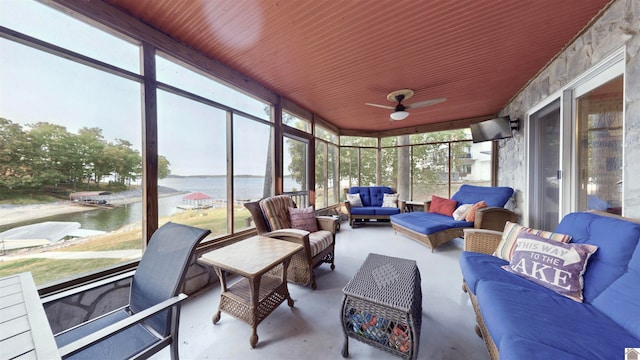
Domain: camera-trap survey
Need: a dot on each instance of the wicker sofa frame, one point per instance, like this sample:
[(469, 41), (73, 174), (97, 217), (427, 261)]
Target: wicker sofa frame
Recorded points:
[(301, 267), (491, 218), (486, 242)]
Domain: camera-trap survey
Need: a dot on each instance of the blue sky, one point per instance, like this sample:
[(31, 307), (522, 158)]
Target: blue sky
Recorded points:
[(38, 87)]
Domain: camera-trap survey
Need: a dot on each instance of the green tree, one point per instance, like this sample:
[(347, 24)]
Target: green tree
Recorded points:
[(14, 152), (90, 145), (163, 167), (50, 147)]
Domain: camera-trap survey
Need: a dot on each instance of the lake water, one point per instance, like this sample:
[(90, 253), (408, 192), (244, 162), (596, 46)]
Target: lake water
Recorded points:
[(246, 188)]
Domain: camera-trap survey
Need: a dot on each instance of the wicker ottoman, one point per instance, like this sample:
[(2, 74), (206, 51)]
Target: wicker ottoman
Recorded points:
[(382, 306)]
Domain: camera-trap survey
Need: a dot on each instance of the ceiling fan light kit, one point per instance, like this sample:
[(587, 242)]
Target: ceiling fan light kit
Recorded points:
[(399, 115), (400, 111)]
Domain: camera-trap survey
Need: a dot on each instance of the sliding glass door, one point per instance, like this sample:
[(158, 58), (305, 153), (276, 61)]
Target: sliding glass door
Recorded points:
[(544, 204)]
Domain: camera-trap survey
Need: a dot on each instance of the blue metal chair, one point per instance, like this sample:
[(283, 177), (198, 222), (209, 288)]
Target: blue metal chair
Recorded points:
[(150, 321)]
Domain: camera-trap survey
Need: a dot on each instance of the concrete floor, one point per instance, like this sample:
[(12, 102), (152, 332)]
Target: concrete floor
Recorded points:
[(312, 329)]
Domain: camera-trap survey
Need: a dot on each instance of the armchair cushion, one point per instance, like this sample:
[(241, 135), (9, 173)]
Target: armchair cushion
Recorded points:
[(319, 241), (303, 219), (442, 206), (276, 211)]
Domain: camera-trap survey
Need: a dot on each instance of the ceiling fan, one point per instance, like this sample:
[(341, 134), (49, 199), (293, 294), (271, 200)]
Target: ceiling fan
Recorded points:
[(400, 110)]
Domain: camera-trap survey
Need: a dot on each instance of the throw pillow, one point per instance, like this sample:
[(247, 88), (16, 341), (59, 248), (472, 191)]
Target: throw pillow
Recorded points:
[(303, 219), (461, 212), (442, 206), (354, 200), (470, 216), (390, 200), (507, 244), (555, 265)]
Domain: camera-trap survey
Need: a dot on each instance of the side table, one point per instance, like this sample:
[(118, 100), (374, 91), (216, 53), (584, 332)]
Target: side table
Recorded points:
[(254, 297), (382, 306)]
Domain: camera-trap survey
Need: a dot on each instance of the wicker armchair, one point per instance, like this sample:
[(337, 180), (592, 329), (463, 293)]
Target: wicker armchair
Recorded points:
[(319, 246)]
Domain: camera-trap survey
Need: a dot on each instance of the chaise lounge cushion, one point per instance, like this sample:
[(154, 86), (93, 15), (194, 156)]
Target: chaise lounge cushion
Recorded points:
[(428, 223), (494, 196)]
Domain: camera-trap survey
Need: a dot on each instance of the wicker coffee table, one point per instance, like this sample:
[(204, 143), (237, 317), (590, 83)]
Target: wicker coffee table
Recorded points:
[(382, 306), (255, 296)]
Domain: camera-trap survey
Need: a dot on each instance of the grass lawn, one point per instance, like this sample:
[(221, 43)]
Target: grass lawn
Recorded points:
[(46, 270)]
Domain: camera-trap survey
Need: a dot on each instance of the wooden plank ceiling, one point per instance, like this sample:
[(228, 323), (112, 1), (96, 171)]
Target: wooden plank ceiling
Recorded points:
[(333, 56)]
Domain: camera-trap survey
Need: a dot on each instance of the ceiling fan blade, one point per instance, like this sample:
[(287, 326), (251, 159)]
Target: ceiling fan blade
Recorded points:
[(381, 106), (425, 103)]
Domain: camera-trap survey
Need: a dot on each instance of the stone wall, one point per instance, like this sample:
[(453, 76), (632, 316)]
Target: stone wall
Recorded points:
[(618, 26)]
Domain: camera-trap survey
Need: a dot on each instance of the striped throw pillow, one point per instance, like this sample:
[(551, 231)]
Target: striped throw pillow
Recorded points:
[(510, 234)]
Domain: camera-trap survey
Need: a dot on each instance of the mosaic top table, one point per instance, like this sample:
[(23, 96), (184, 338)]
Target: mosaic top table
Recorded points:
[(255, 296), (382, 306)]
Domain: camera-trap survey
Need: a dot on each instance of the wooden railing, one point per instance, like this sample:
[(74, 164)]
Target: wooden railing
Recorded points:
[(301, 198)]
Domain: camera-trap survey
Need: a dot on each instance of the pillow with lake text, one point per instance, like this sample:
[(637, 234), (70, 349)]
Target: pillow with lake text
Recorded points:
[(555, 265), (510, 233)]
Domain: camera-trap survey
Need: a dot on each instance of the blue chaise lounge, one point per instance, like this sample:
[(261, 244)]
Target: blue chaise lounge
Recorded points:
[(434, 229)]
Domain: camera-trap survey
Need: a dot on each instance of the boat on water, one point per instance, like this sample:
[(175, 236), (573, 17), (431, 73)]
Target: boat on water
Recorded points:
[(91, 198)]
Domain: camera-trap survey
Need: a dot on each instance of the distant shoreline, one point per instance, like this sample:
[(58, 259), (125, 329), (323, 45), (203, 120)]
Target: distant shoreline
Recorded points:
[(20, 213)]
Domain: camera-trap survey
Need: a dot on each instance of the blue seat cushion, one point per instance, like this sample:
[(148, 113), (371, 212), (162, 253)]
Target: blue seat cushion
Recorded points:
[(365, 210), (427, 223), (541, 316), (386, 210), (515, 347), (616, 240), (494, 196), (476, 267)]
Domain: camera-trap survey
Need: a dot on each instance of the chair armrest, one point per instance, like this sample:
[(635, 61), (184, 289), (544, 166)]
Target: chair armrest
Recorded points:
[(427, 205), (347, 206), (327, 223), (494, 218), (121, 325), (481, 240), (293, 235), (401, 204)]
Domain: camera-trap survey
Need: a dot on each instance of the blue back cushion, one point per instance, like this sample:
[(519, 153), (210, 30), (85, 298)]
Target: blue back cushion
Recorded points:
[(612, 279), (616, 240), (493, 195), (371, 195)]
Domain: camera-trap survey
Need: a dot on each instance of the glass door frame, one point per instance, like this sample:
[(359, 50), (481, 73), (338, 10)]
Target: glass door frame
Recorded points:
[(606, 70)]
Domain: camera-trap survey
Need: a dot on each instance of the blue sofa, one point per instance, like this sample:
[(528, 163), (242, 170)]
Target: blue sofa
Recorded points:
[(371, 197), (519, 319), (434, 229)]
